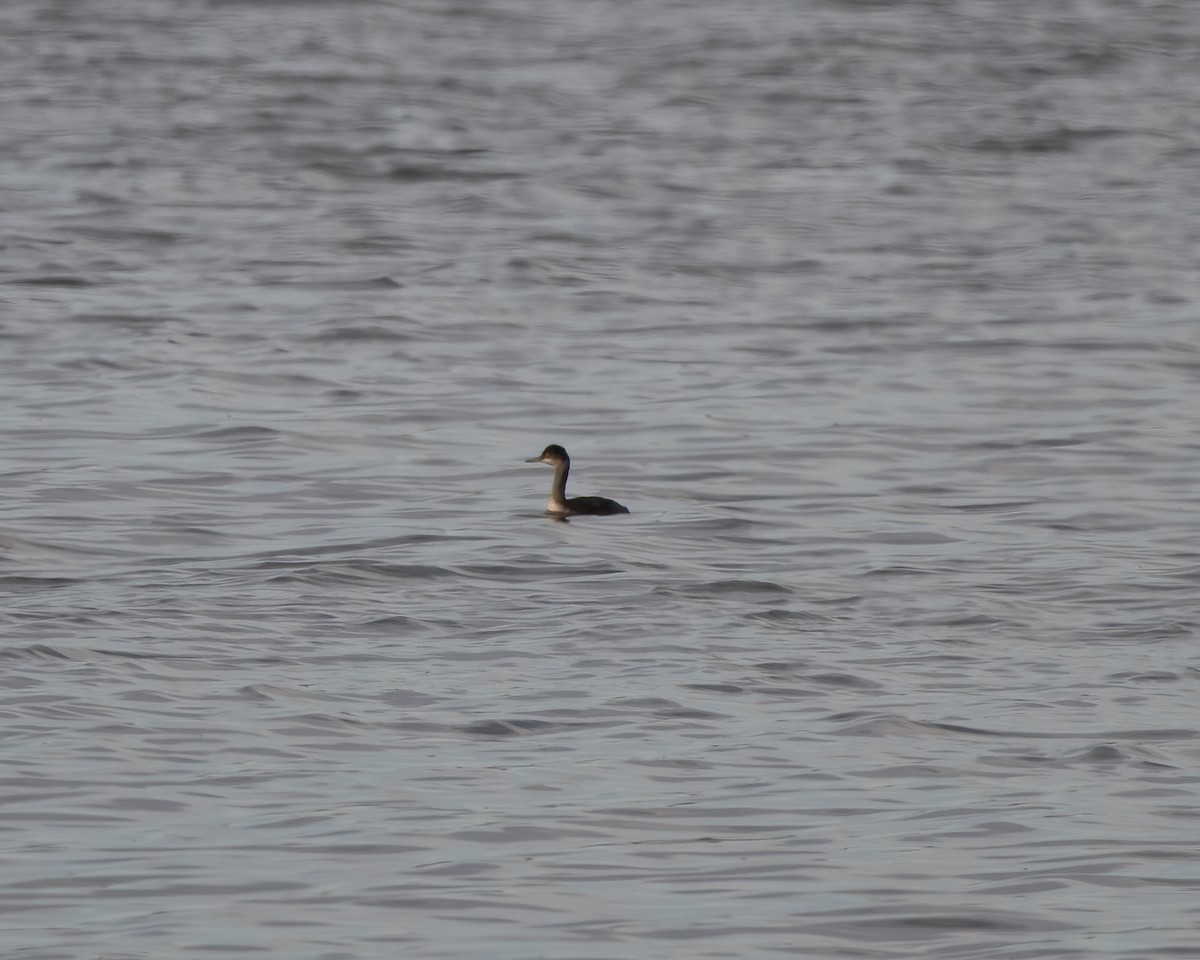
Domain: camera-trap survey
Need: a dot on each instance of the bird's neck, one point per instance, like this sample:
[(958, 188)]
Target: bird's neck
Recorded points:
[(558, 486)]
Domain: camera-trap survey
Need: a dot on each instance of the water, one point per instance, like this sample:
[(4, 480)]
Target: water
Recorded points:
[(881, 318)]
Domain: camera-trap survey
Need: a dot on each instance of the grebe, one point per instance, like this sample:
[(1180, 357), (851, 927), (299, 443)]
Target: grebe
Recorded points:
[(559, 503)]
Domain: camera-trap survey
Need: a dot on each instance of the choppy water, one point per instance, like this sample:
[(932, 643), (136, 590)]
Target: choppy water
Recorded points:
[(882, 318)]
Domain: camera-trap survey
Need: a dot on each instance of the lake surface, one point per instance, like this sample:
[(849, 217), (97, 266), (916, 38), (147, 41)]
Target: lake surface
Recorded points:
[(882, 318)]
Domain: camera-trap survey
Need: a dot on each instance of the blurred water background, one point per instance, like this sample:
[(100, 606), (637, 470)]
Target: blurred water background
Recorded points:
[(881, 318)]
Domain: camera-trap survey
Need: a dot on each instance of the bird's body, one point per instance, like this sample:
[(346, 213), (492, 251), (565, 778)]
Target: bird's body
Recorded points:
[(559, 504)]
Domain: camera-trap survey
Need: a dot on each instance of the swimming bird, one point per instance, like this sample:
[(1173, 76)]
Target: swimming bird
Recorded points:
[(559, 503)]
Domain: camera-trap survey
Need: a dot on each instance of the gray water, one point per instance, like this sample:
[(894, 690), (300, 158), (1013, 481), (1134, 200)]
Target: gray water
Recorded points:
[(881, 318)]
